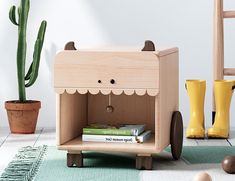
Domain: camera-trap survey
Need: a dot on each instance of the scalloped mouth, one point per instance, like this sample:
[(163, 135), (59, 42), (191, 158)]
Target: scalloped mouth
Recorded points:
[(139, 92)]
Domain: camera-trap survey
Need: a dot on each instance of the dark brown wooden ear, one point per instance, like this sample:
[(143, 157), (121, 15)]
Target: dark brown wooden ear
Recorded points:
[(70, 46), (149, 46)]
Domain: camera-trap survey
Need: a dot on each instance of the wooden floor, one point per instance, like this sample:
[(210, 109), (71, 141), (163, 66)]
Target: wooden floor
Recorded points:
[(10, 143)]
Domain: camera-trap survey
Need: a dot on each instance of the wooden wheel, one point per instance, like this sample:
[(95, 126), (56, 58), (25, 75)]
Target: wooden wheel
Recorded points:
[(144, 162), (176, 135), (74, 160)]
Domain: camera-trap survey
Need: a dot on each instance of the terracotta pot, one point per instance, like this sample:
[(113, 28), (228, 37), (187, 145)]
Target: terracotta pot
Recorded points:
[(22, 117)]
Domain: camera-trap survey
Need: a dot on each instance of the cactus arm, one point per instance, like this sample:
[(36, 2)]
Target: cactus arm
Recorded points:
[(27, 77), (22, 46), (35, 63), (42, 31), (12, 15), (37, 54), (18, 10), (41, 35)]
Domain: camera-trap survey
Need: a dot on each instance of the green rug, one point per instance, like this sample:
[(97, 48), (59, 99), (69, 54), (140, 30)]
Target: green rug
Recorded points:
[(98, 167), (206, 154), (103, 167), (49, 164)]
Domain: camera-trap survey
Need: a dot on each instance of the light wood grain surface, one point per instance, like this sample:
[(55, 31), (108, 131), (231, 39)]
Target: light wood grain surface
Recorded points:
[(218, 44), (153, 75), (78, 145)]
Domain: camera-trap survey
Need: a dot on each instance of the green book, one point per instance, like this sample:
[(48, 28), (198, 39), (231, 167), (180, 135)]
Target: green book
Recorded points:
[(124, 130)]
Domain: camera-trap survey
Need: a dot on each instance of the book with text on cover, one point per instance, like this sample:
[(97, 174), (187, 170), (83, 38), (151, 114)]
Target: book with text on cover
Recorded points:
[(123, 130), (117, 139)]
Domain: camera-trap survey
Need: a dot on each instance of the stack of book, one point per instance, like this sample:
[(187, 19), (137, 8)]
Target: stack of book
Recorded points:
[(121, 134)]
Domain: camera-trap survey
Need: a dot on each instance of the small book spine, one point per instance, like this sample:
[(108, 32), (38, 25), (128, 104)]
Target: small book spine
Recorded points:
[(109, 139), (117, 139), (120, 132)]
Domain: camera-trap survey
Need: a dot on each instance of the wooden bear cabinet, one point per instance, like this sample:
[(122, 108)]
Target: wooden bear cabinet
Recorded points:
[(144, 90)]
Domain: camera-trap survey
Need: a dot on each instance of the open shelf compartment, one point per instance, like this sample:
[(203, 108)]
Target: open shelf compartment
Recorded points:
[(76, 111), (77, 144)]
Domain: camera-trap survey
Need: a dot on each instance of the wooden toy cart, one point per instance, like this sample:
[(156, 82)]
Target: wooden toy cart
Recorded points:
[(218, 48), (144, 89)]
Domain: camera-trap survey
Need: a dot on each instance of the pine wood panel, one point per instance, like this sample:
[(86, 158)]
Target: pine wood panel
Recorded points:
[(58, 119), (129, 70), (78, 145), (127, 110), (77, 110), (72, 116), (107, 91), (88, 76), (123, 59), (168, 98), (160, 51)]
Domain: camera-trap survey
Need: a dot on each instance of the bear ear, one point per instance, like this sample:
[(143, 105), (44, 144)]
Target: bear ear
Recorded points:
[(149, 46), (70, 46)]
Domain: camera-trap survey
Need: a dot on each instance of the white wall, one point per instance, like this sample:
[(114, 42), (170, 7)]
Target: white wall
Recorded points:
[(183, 23)]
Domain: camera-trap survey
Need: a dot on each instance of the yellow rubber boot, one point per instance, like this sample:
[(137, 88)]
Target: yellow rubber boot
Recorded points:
[(196, 91), (223, 90)]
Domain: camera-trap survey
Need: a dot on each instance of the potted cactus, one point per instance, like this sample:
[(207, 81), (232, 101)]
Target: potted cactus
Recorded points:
[(23, 113)]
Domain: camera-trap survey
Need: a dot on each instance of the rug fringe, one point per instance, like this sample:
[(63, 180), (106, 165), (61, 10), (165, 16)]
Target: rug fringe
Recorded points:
[(25, 164)]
